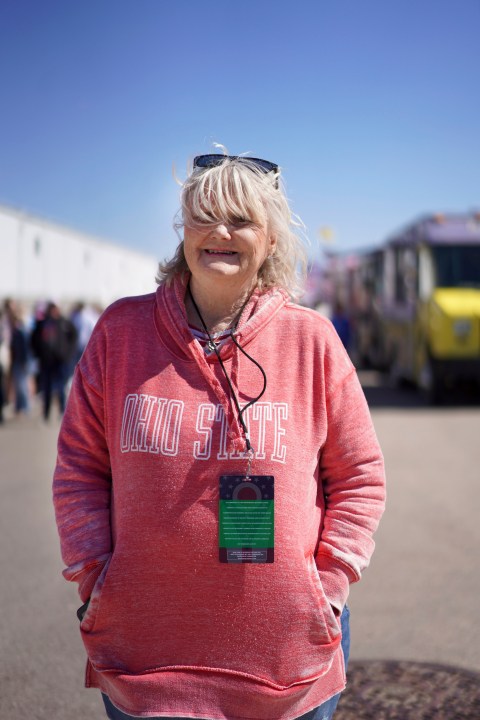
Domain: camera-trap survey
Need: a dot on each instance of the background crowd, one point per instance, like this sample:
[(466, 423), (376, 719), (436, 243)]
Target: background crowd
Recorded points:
[(39, 348)]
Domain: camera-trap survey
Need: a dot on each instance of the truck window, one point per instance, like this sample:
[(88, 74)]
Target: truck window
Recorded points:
[(457, 265)]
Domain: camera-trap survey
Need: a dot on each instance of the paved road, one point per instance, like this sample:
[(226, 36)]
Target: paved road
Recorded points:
[(418, 600)]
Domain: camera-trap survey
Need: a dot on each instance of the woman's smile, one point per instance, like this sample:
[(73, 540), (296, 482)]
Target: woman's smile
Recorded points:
[(221, 252)]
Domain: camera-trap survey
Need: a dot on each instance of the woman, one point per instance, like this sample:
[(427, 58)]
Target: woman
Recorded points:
[(218, 479)]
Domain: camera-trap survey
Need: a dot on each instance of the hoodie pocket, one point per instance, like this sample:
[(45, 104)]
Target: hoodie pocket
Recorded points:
[(90, 608), (328, 617), (82, 610)]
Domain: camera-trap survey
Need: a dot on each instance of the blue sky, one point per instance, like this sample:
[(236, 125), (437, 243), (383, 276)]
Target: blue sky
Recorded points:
[(372, 108)]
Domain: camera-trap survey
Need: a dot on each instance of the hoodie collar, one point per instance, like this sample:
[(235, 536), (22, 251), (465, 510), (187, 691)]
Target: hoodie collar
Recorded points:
[(172, 323)]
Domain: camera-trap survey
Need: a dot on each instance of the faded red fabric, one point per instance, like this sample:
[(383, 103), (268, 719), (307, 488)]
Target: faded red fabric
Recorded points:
[(148, 430)]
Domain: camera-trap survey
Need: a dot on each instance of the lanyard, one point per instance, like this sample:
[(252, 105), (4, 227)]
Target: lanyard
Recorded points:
[(240, 411)]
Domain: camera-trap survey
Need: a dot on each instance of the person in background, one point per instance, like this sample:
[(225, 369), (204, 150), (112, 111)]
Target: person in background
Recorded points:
[(341, 323), (84, 319), (53, 341), (4, 361), (218, 480), (39, 311), (20, 361)]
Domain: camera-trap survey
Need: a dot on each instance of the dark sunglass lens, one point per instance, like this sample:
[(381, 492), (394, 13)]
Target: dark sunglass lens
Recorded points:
[(209, 161), (264, 165)]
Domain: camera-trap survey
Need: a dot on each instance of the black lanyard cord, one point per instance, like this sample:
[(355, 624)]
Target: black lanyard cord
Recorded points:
[(252, 402), (240, 410)]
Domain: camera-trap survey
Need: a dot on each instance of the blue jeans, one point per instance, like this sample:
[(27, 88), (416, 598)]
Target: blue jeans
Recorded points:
[(20, 377), (323, 712)]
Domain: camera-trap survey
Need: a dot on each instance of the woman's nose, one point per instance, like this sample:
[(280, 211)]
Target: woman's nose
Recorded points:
[(222, 231)]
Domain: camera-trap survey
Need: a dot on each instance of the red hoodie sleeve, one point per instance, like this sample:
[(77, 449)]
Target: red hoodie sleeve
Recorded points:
[(82, 479), (353, 479)]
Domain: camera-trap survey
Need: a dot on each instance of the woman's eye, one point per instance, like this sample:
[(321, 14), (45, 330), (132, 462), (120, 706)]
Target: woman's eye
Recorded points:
[(204, 220)]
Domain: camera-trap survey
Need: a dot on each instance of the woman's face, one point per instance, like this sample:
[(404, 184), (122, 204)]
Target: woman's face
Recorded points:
[(227, 254)]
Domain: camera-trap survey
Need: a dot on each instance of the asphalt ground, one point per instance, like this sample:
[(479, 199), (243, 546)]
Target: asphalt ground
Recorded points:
[(414, 617)]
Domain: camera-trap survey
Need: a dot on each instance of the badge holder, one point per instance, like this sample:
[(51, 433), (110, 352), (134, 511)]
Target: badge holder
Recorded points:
[(246, 519)]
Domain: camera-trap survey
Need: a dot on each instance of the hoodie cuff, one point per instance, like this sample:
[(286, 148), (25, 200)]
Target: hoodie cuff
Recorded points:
[(86, 574), (336, 586)]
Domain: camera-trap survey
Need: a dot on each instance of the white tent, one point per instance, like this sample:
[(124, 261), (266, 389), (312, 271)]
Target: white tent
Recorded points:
[(40, 260)]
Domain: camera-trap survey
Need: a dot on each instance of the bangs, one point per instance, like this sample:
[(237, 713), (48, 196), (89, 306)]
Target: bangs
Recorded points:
[(231, 192)]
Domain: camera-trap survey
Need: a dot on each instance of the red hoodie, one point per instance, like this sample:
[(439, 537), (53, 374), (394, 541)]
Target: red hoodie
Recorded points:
[(149, 429)]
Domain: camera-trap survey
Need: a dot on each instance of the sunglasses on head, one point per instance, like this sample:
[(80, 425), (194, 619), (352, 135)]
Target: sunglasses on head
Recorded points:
[(210, 161)]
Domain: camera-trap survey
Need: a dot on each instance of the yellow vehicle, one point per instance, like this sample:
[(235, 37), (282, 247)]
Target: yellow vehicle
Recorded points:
[(428, 303)]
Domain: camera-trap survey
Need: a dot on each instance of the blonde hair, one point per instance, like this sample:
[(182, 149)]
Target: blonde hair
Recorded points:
[(234, 191)]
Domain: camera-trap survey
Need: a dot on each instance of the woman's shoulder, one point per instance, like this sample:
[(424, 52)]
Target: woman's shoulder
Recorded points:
[(314, 331), (307, 317), (124, 318), (132, 306)]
